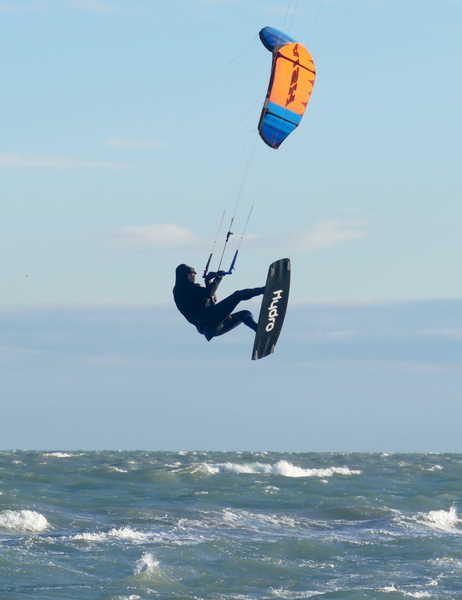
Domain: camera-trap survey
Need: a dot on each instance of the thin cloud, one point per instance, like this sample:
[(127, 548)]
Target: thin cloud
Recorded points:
[(166, 235), (325, 234), (18, 161), (328, 234), (133, 144)]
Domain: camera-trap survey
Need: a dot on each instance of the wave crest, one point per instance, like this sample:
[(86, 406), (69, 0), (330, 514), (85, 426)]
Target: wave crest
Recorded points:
[(393, 589), (443, 520), (58, 455), (282, 467), (148, 563), (23, 521), (124, 533)]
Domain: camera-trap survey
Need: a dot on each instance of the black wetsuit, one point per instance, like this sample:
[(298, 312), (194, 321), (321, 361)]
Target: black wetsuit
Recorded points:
[(197, 304)]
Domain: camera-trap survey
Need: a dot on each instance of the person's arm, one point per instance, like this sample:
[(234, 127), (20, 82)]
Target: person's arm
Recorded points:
[(212, 281)]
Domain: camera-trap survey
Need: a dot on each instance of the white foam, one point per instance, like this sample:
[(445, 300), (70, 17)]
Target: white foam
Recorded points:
[(249, 520), (124, 533), (289, 595), (393, 588), (279, 520), (388, 588), (132, 535), (117, 469), (205, 469), (235, 519), (435, 468), (23, 520), (289, 470), (282, 467), (148, 563), (58, 455), (442, 520), (248, 468), (231, 518)]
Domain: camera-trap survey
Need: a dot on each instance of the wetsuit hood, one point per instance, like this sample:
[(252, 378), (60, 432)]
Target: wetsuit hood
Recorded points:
[(181, 273)]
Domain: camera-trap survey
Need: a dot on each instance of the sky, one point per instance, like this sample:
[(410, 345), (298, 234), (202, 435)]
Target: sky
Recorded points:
[(130, 125)]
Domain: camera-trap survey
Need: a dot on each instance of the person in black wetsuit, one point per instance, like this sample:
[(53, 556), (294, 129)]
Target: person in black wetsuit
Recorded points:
[(199, 306)]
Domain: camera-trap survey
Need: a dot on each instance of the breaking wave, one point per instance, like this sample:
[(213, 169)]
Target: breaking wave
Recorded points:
[(446, 521), (441, 520), (117, 469), (290, 595), (435, 468), (394, 589), (124, 533), (246, 518), (58, 455), (282, 467), (148, 563), (148, 568), (127, 534), (23, 521)]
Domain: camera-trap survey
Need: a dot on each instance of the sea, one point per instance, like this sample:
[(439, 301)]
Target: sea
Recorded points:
[(185, 525)]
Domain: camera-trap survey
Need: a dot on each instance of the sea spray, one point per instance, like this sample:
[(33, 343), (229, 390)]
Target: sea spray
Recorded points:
[(147, 565)]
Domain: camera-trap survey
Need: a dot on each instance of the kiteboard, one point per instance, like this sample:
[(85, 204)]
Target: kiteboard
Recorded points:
[(273, 308)]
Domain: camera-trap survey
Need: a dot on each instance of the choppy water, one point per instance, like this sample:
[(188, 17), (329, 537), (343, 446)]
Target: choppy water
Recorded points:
[(241, 526)]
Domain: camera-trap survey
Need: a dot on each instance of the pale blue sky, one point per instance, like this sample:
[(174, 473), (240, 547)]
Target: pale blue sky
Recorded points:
[(384, 377), (140, 113), (121, 117)]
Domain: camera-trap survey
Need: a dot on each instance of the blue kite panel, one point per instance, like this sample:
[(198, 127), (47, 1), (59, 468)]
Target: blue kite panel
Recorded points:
[(273, 39), (274, 130), (284, 113)]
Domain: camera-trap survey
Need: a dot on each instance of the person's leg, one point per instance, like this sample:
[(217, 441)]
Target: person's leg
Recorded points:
[(219, 319), (232, 321), (219, 311), (247, 319)]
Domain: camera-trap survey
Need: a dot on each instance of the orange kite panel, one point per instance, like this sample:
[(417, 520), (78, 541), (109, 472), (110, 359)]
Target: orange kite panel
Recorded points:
[(293, 78)]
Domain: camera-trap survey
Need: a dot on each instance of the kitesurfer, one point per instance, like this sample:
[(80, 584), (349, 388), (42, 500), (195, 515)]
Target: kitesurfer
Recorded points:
[(199, 306)]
